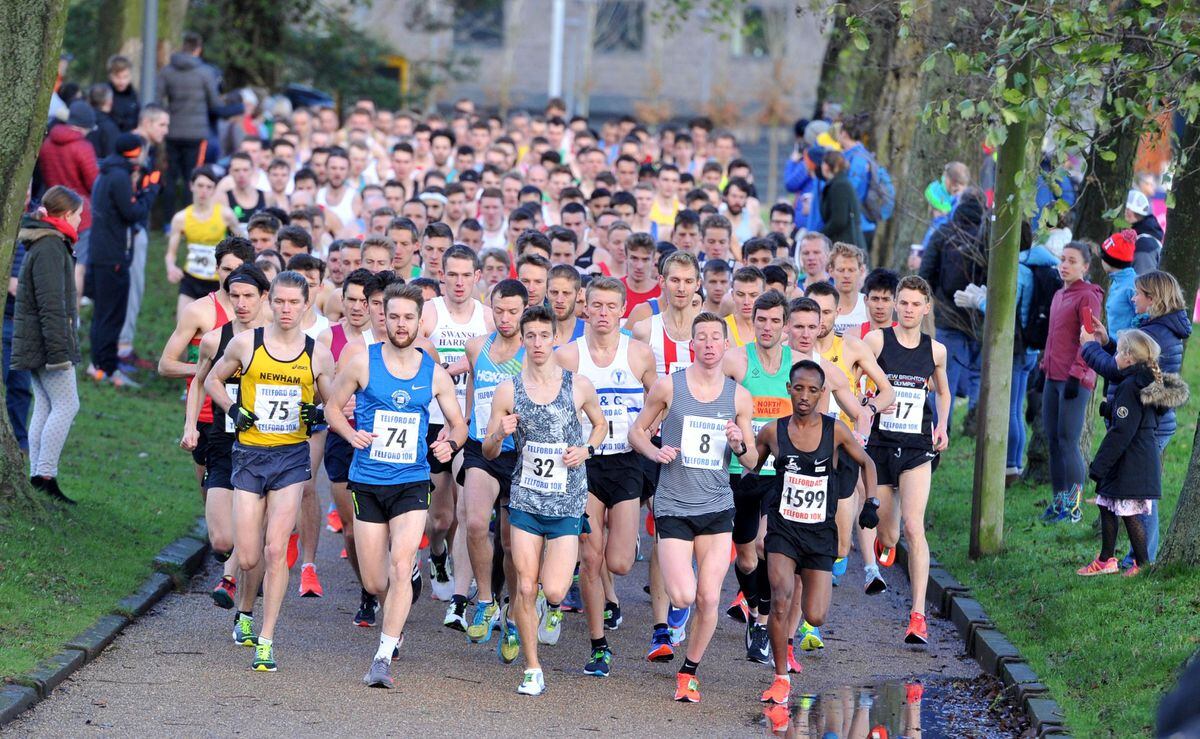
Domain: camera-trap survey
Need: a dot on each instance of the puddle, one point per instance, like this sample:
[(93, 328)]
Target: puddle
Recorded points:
[(923, 708)]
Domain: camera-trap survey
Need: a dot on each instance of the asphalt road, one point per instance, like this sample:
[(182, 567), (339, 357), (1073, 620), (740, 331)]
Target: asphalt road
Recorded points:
[(176, 672)]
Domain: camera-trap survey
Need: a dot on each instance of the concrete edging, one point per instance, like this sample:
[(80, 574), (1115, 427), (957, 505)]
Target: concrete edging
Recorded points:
[(992, 650), (177, 562)]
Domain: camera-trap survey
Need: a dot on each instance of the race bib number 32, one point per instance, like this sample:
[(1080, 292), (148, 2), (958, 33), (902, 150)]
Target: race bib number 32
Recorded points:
[(277, 408), (396, 437), (702, 446), (909, 412), (542, 468), (803, 499)]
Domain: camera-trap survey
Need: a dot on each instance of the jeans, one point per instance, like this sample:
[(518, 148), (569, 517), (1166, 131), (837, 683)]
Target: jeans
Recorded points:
[(964, 356), (137, 286), (18, 391), (1023, 365), (1150, 522), (1063, 419)]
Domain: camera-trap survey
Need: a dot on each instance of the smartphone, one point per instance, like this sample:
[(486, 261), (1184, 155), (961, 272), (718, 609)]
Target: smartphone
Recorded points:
[(1089, 321)]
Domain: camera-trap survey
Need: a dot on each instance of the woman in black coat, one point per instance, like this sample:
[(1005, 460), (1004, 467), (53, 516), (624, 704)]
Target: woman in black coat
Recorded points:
[(840, 209)]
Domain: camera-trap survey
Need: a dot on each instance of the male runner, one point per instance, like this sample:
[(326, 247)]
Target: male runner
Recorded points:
[(394, 384), (801, 512), (435, 243), (846, 263), (239, 190), (716, 285), (905, 443), (622, 370), (641, 283), (707, 418), (201, 226), (403, 233), (449, 322), (880, 288), (748, 284), (337, 196), (273, 415), (813, 258), (492, 359), (542, 406), (246, 287), (562, 292)]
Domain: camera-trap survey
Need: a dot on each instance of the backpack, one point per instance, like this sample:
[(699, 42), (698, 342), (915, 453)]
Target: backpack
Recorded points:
[(1046, 282), (881, 193)]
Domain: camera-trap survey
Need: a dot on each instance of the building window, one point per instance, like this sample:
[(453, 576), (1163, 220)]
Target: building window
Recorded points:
[(620, 26), (750, 38), (479, 23)]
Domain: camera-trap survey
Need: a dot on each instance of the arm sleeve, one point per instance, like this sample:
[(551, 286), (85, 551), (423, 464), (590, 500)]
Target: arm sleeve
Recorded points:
[(1101, 362), (1126, 418), (131, 210), (795, 176)]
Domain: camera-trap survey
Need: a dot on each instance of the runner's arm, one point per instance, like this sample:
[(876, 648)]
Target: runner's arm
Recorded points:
[(637, 319), (456, 427), (865, 351), (322, 371), (195, 393), (589, 403), (229, 363), (170, 364), (843, 437), (174, 273), (658, 400), (347, 381), (502, 423), (942, 385), (567, 357), (232, 223), (744, 406)]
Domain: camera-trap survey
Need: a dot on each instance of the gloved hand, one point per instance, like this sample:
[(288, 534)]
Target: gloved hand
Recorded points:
[(1105, 411), (1071, 391), (311, 414), (151, 178), (869, 518), (972, 296), (243, 418)]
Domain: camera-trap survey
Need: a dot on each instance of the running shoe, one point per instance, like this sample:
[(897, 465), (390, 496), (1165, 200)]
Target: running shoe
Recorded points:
[(650, 524), (677, 619), (793, 664), (779, 693), (739, 610), (885, 556), (839, 566), (379, 676), (539, 604), (416, 581), (533, 683), (508, 646), (1132, 571), (98, 374), (873, 582), (573, 603), (637, 550), (913, 692), (121, 380), (243, 631), (440, 582), (293, 550), (878, 731), (1054, 510), (333, 520), (310, 584), (1099, 567), (778, 717), (918, 630), (550, 626), (264, 657), (486, 619), (660, 647), (138, 363), (760, 645), (600, 664), (1071, 512), (810, 637), (368, 607), (612, 616), (687, 688), (343, 554), (456, 614), (225, 592)]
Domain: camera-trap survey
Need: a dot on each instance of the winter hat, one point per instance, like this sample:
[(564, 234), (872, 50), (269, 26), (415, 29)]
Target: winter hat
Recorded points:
[(129, 145), (1117, 250), (81, 115), (1136, 201)]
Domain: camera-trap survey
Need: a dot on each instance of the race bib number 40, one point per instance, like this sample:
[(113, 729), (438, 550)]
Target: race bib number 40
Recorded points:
[(803, 499), (277, 408), (542, 468), (908, 414), (702, 446), (396, 437)]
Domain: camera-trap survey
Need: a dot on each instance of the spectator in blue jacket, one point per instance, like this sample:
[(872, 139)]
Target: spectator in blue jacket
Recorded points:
[(1117, 254), (850, 137)]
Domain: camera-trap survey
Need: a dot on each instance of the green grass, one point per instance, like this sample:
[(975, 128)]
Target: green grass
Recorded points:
[(136, 493), (1107, 647)]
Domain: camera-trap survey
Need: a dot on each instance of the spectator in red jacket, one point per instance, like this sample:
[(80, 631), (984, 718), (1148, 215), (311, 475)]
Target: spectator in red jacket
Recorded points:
[(67, 158)]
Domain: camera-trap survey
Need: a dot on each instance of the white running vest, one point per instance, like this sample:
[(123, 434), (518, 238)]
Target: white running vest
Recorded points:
[(450, 339)]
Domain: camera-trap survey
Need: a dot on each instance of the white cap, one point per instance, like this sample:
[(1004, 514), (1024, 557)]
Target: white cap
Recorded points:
[(1137, 202)]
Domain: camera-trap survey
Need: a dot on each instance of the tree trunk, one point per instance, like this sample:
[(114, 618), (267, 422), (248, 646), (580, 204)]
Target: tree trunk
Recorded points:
[(1181, 252), (31, 34), (991, 441), (1179, 544)]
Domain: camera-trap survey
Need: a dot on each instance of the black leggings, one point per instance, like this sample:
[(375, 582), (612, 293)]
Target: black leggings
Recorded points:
[(1108, 536)]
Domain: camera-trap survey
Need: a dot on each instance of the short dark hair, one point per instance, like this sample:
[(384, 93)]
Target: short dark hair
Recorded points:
[(510, 288), (439, 230), (532, 238), (804, 305), (565, 272), (749, 274), (757, 244), (716, 266), (424, 282), (536, 314), (405, 292), (361, 277), (404, 224), (881, 280), (306, 263), (296, 235), (774, 273), (686, 217), (823, 289), (238, 246), (249, 275), (379, 282), (562, 233), (715, 221), (807, 365), (709, 317), (459, 251)]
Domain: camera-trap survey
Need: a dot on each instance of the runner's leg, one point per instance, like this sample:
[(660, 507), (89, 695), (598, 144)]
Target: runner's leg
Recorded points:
[(712, 564), (592, 564), (782, 571), (282, 506), (479, 498), (527, 554), (914, 495), (405, 533)]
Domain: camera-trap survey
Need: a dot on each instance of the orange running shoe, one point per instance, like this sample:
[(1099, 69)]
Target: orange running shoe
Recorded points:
[(878, 732), (687, 688), (779, 693), (918, 630), (1099, 567), (333, 521), (225, 592), (778, 718), (424, 541), (793, 663), (293, 552), (310, 584), (886, 556), (344, 555), (913, 692), (1132, 571), (650, 523), (739, 610)]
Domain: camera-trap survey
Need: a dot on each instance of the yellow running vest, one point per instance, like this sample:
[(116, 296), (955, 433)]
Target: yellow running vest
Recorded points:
[(273, 390), (836, 355), (202, 238)]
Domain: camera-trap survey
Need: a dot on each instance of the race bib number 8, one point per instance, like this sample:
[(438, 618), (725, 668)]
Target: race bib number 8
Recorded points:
[(231, 388), (703, 443), (396, 437), (908, 414), (803, 499), (542, 468), (277, 408)]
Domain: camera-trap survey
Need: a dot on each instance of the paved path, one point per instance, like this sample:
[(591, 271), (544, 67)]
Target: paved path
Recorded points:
[(175, 672)]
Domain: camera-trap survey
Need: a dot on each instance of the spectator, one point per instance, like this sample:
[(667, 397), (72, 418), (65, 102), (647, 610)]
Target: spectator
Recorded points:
[(125, 107), (1127, 467), (44, 324), (840, 209), (1149, 232), (942, 195), (1037, 278), (859, 161), (188, 90), (1162, 315), (67, 159), (1117, 254), (17, 392), (118, 214), (104, 135), (1069, 382)]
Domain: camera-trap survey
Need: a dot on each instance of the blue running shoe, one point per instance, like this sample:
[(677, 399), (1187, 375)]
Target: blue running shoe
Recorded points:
[(810, 637), (660, 647), (600, 664), (677, 619), (573, 603), (1054, 510), (1072, 511), (839, 566)]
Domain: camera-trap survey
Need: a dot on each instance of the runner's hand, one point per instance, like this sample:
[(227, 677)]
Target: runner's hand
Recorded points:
[(174, 274), (869, 518), (312, 414), (940, 440), (243, 418), (362, 439), (191, 437), (667, 454), (508, 424), (442, 451), (734, 434), (574, 456), (444, 434)]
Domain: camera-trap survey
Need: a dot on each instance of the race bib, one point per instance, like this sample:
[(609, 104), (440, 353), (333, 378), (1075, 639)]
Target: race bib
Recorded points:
[(231, 388), (450, 356), (483, 409), (542, 468), (201, 261), (803, 499), (396, 437), (703, 443), (908, 414), (277, 408), (674, 367), (616, 440), (756, 426)]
